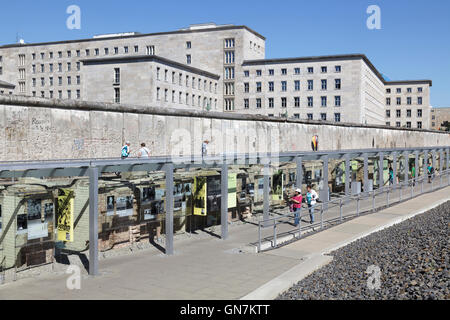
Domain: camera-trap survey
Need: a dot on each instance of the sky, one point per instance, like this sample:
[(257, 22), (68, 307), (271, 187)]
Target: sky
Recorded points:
[(413, 42)]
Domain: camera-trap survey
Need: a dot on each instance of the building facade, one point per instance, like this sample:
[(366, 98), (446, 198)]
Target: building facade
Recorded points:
[(149, 80), (234, 76), (438, 117), (408, 104)]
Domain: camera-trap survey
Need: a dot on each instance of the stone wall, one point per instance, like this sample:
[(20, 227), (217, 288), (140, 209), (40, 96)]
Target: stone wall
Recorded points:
[(40, 129)]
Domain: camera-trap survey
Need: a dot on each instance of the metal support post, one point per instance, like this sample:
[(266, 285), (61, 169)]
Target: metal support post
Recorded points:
[(224, 200), (169, 208), (93, 221)]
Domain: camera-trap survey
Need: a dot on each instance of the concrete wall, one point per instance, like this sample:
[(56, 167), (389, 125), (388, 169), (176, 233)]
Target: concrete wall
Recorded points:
[(32, 129)]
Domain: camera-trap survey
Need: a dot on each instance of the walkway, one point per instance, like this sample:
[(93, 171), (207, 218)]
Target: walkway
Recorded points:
[(211, 268)]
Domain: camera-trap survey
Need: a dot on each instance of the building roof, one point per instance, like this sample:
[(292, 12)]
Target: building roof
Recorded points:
[(139, 35), (4, 84), (355, 56), (148, 58)]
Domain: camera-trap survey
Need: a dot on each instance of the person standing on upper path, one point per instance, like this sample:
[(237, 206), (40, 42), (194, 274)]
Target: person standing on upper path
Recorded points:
[(126, 150), (205, 148), (297, 205), (391, 175), (144, 152), (430, 171), (413, 175), (311, 200)]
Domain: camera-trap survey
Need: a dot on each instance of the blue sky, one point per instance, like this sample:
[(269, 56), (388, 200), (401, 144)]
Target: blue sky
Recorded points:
[(414, 42)]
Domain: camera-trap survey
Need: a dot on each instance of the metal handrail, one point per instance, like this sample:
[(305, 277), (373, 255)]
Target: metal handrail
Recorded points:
[(325, 206)]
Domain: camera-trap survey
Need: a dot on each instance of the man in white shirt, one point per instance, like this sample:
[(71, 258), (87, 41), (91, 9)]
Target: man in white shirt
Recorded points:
[(144, 152), (311, 200)]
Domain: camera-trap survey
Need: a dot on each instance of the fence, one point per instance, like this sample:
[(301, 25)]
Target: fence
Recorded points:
[(337, 210)]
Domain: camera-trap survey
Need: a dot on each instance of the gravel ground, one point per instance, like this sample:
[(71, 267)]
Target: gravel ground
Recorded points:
[(413, 259)]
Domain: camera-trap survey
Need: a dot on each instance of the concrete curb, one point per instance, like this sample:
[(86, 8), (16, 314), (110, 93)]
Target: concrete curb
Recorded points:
[(283, 282)]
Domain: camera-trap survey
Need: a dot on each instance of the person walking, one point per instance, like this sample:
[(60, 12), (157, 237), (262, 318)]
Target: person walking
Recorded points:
[(413, 175), (430, 171), (297, 205), (144, 152), (311, 200), (205, 148), (391, 175), (126, 150)]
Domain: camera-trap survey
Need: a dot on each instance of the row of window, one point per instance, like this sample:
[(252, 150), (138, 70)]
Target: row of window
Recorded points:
[(310, 116), (185, 98), (150, 50), (296, 102), (195, 82), (297, 85), (407, 125), (60, 81), (51, 69), (60, 94), (408, 101), (398, 113), (297, 71), (408, 90)]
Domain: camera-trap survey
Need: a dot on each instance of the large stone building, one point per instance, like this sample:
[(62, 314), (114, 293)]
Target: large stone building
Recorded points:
[(438, 117), (228, 60)]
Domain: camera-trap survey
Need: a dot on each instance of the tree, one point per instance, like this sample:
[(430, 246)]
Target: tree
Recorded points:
[(445, 126)]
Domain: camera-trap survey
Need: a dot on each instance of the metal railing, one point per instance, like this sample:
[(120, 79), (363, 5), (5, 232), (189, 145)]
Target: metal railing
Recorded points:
[(373, 201)]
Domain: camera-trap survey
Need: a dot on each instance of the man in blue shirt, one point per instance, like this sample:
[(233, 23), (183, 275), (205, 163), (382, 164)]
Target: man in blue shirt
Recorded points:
[(126, 150)]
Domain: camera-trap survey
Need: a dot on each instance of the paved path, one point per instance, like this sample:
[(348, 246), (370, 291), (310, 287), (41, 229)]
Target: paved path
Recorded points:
[(206, 268)]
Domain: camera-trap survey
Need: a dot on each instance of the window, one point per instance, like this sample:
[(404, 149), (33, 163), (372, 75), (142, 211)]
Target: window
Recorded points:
[(33, 81), (419, 100), (283, 86), (33, 67), (42, 68), (229, 104), (398, 113), (69, 66), (116, 50), (337, 84), (97, 51), (229, 57), (337, 117), (258, 87), (246, 104), (69, 54), (59, 67), (323, 116), (78, 94), (399, 90), (310, 102), (229, 73), (271, 86), (246, 73), (310, 70), (117, 75), (158, 94), (60, 54), (310, 84), (78, 53), (33, 56), (166, 95), (324, 84), (409, 90), (297, 115), (173, 96), (42, 55), (173, 76), (60, 81), (78, 66), (310, 116), (297, 85), (408, 113), (180, 79), (283, 102), (125, 49), (246, 87), (42, 82), (150, 50), (297, 102), (271, 103), (188, 59), (106, 51), (419, 124), (258, 73), (337, 68), (136, 49), (399, 101), (323, 69), (51, 67), (42, 94), (388, 101), (69, 80), (284, 72), (78, 80), (388, 113), (323, 101), (419, 89), (419, 113), (229, 43), (408, 100), (69, 94), (188, 45), (258, 103), (388, 123), (117, 95), (337, 101), (297, 70), (388, 90), (271, 72), (51, 94), (408, 124), (59, 94), (87, 52)]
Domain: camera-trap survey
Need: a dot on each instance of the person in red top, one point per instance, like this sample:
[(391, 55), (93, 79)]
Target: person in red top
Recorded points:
[(297, 204)]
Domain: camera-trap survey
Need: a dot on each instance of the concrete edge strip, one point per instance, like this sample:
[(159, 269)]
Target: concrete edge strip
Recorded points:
[(286, 280)]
